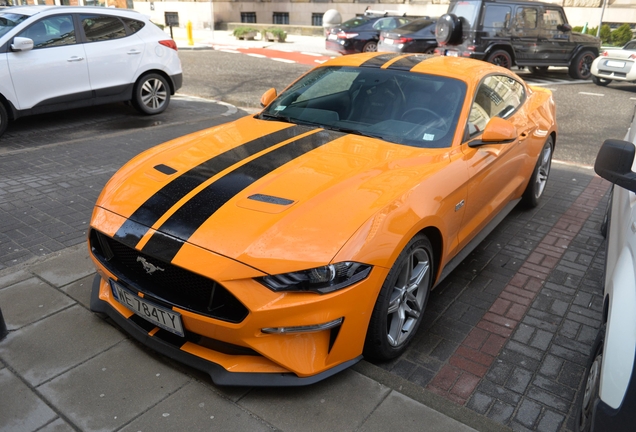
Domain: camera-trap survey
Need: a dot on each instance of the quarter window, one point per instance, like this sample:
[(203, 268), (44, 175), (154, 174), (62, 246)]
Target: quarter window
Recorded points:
[(52, 31), (498, 96), (102, 27)]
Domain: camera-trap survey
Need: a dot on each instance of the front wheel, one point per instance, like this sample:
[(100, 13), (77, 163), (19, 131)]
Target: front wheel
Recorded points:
[(600, 81), (581, 66), (587, 398), (500, 58), (400, 305), (4, 118), (539, 178), (151, 94)]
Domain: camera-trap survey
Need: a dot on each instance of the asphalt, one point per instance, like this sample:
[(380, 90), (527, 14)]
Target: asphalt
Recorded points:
[(64, 368)]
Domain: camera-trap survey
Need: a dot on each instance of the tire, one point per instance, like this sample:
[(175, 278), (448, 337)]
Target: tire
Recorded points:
[(4, 119), (448, 30), (539, 177), (400, 306), (600, 81), (581, 66), (589, 394), (500, 58), (608, 215), (371, 46), (538, 70), (151, 94)]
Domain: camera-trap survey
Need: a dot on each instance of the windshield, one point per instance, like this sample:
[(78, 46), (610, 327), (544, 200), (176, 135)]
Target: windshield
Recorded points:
[(467, 11), (397, 106), (10, 20), (416, 25)]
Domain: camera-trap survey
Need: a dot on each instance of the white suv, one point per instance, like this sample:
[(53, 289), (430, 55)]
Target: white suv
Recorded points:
[(62, 57), (608, 402)]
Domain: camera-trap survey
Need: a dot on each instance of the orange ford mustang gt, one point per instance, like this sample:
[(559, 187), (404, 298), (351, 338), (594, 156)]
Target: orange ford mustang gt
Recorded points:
[(282, 247)]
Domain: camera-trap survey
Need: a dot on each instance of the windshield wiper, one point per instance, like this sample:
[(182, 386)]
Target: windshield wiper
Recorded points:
[(267, 116), (354, 132)]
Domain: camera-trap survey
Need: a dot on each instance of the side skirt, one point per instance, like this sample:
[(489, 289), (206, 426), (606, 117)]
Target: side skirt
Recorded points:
[(461, 256)]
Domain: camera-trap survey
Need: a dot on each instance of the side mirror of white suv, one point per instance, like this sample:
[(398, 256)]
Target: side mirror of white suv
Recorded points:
[(614, 163), (22, 44)]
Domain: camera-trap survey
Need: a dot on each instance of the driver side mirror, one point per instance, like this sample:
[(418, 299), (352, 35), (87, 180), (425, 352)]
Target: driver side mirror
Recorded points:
[(564, 27), (497, 131), (268, 97), (22, 44)]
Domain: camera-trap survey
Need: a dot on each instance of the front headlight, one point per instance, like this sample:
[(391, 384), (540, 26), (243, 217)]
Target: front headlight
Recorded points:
[(321, 280)]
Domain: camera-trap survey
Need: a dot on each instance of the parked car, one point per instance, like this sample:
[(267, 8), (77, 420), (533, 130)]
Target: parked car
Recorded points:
[(510, 32), (608, 400), (280, 248), (361, 34), (418, 36), (615, 65), (62, 57)]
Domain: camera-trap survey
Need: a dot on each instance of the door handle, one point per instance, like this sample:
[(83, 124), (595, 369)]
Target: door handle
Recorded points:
[(133, 52), (75, 59)]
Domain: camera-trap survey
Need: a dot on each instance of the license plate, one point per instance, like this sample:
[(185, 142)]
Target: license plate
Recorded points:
[(613, 63), (388, 41), (332, 37), (452, 53), (158, 315)]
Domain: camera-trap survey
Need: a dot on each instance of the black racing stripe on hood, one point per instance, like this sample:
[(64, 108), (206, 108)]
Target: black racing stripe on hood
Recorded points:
[(165, 243), (408, 63), (379, 61), (162, 201)]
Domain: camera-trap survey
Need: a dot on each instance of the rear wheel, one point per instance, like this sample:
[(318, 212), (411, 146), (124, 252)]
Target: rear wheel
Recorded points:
[(400, 305), (581, 66), (589, 395), (600, 81), (371, 46), (151, 94), (4, 118), (500, 58), (539, 178)]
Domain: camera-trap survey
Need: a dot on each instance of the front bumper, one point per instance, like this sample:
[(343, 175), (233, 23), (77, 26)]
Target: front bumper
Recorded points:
[(176, 348), (614, 69)]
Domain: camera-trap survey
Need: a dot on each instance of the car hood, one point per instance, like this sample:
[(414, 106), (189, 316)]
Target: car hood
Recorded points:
[(585, 39), (275, 196)]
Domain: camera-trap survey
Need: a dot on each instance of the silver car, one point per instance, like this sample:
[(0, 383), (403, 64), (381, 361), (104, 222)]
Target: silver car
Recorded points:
[(615, 65)]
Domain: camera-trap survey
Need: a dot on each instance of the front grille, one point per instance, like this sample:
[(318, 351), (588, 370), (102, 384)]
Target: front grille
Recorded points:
[(172, 285)]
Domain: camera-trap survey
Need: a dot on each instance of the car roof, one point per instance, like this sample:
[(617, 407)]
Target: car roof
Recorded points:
[(36, 9), (463, 69)]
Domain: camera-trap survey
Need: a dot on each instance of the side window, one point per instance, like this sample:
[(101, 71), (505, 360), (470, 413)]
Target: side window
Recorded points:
[(525, 19), (384, 24), (133, 24), (552, 19), (102, 27), (497, 96), (496, 18), (52, 31)]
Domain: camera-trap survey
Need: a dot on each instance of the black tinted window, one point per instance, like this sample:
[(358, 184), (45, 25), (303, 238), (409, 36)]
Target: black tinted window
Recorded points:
[(497, 17), (416, 25), (102, 27), (133, 24), (53, 31)]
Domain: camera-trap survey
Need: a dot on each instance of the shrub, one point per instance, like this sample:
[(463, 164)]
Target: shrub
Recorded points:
[(606, 34), (278, 33), (622, 35), (241, 32)]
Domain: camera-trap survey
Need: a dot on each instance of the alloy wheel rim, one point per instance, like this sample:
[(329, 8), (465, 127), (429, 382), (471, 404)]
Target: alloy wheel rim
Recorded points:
[(153, 93), (408, 297), (501, 60), (544, 170), (590, 388)]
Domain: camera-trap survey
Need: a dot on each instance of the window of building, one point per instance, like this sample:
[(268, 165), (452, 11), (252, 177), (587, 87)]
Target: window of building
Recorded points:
[(316, 19), (281, 18), (248, 17)]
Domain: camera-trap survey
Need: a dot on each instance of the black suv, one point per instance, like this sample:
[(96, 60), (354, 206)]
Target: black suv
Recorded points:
[(522, 33)]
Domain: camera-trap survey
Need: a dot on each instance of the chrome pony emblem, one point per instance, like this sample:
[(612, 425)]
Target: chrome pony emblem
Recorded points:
[(148, 266)]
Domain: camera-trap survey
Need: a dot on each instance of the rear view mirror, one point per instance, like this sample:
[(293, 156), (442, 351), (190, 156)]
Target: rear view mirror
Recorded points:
[(614, 163), (22, 44), (268, 97)]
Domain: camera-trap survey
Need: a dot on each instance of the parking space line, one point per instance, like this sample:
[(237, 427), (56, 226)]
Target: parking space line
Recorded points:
[(591, 94)]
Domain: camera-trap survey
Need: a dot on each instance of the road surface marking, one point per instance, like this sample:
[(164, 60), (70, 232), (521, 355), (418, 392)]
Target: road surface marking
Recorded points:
[(230, 51), (311, 54), (283, 60), (256, 55), (591, 94)]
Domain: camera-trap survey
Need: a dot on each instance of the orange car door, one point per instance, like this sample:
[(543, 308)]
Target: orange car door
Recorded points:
[(495, 171)]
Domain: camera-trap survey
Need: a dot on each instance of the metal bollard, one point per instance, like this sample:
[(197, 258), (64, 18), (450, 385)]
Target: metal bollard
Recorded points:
[(3, 327), (189, 33)]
